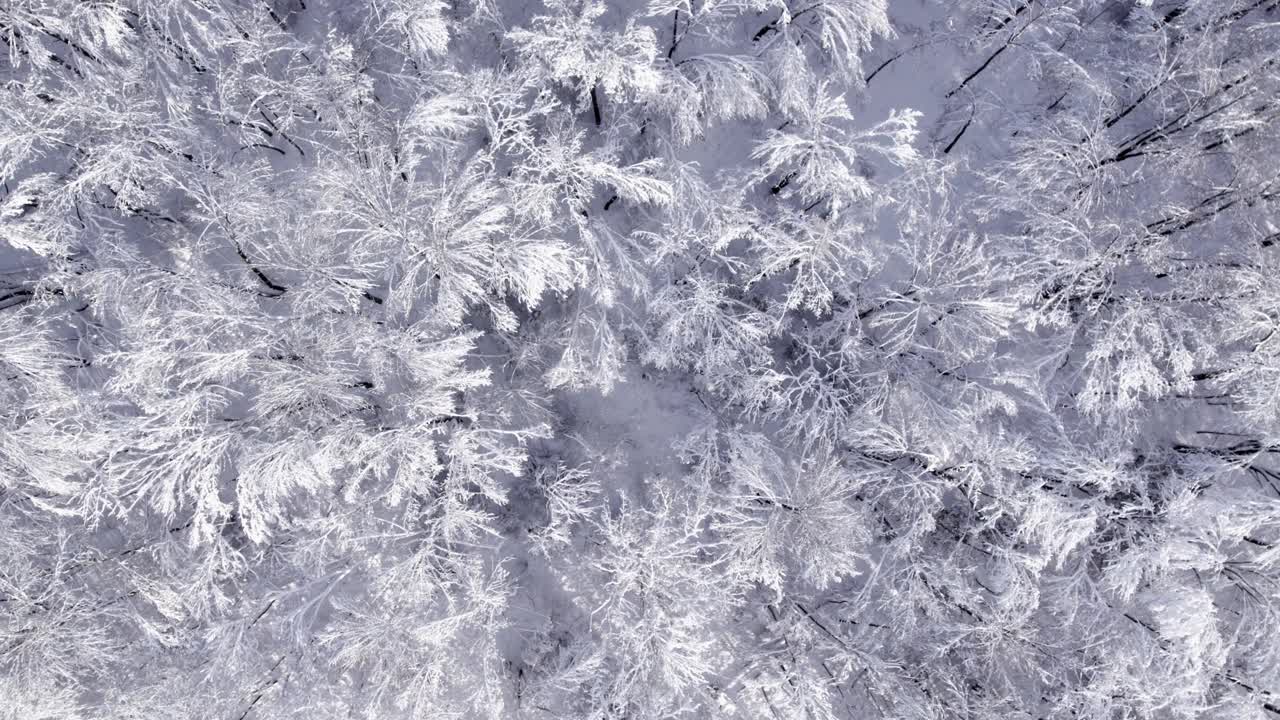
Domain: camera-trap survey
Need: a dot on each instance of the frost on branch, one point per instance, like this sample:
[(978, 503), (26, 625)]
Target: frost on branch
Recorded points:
[(672, 359)]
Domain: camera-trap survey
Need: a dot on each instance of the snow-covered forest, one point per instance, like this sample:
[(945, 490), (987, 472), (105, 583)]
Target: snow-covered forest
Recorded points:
[(639, 359)]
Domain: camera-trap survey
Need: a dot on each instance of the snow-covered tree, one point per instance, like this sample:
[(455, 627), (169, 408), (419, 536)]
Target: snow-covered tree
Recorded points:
[(737, 359)]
